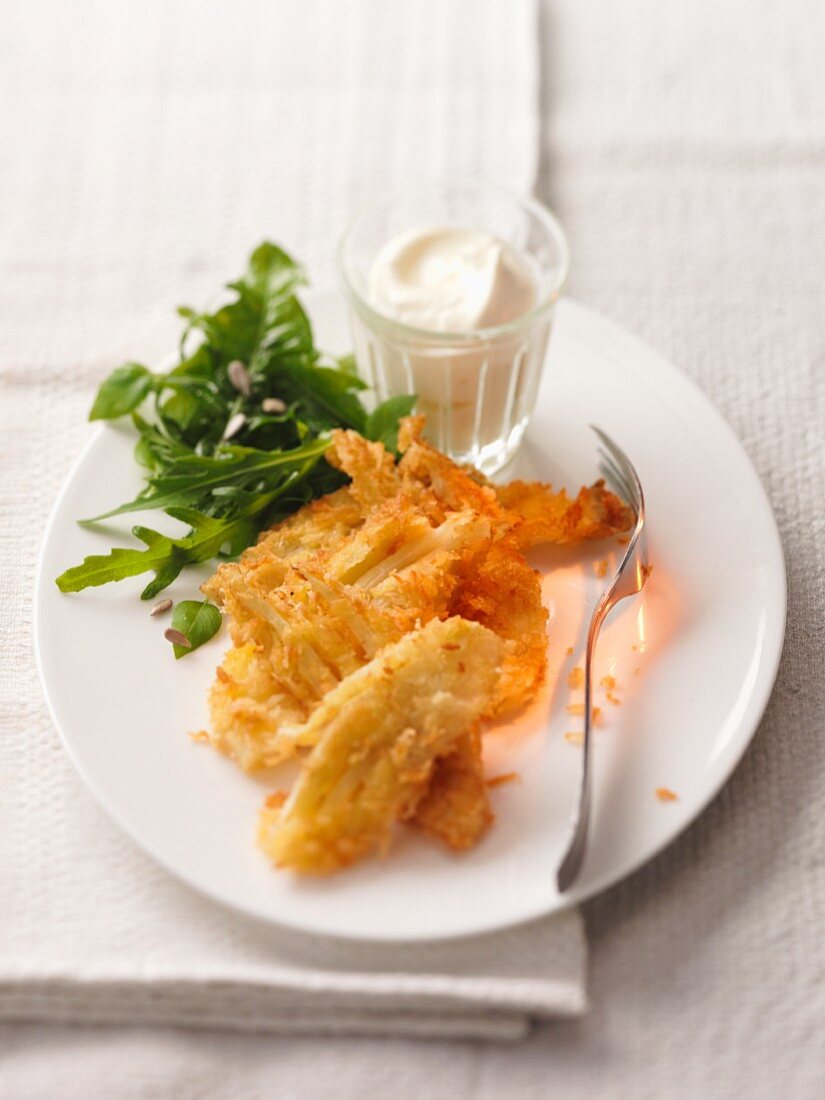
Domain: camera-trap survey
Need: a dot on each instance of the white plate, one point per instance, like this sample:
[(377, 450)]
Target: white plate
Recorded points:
[(705, 636)]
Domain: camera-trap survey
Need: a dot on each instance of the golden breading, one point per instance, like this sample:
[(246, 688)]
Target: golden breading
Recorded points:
[(424, 469), (410, 430), (307, 634), (504, 594), (370, 466), (312, 630), (389, 530), (250, 712), (545, 516), (456, 808), (377, 737), (429, 478), (336, 618), (322, 522)]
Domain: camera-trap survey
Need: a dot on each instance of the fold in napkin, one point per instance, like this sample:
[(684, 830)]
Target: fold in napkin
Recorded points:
[(155, 143), (261, 979)]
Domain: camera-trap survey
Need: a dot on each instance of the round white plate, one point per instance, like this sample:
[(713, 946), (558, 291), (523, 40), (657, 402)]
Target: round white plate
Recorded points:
[(694, 658)]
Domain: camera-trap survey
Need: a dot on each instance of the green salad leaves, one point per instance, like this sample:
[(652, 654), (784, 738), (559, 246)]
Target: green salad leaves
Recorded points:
[(197, 621), (236, 431)]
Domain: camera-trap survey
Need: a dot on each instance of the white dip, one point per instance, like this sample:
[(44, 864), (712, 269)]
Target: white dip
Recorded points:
[(451, 280), (453, 288)]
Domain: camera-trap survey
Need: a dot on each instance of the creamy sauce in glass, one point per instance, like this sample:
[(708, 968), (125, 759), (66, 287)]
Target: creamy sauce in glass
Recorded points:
[(451, 280)]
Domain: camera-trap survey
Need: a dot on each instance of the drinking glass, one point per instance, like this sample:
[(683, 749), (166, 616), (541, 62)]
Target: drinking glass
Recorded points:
[(476, 388)]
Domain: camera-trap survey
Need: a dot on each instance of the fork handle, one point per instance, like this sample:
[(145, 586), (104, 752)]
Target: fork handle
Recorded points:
[(580, 818)]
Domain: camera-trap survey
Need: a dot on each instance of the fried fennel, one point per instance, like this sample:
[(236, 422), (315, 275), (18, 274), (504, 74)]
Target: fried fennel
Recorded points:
[(456, 807), (377, 737), (373, 630)]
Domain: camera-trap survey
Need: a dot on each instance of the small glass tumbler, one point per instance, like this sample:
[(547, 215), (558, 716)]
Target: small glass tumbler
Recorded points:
[(476, 388)]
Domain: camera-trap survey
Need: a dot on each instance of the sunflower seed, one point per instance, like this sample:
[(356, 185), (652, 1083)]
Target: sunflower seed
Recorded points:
[(234, 425), (176, 638), (273, 405), (160, 608), (239, 377)]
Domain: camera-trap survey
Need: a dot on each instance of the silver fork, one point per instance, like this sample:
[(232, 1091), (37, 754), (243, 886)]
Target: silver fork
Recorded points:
[(629, 579)]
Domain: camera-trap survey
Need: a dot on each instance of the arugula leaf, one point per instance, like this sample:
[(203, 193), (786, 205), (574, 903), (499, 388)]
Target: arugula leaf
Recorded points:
[(155, 448), (321, 394), (264, 317), (185, 411), (195, 477), (166, 556), (382, 423), (272, 272), (197, 621), (124, 389), (347, 364)]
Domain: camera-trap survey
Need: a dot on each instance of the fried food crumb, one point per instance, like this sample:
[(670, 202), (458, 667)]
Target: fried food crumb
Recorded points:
[(646, 571), (623, 540), (611, 698), (608, 683), (576, 678), (200, 736), (665, 794), (600, 568), (570, 651), (574, 737), (577, 710), (500, 780)]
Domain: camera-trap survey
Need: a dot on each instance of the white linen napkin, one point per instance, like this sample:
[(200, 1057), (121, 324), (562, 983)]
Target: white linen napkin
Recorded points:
[(150, 146)]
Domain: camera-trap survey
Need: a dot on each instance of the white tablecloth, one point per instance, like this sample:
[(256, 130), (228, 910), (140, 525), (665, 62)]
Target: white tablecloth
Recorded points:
[(683, 146), (153, 145)]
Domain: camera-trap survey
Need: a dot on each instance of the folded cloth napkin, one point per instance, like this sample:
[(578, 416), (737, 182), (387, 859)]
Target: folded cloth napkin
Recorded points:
[(210, 968), (152, 144)]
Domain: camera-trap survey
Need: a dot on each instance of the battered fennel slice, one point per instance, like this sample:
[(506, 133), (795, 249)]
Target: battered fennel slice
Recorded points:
[(377, 738), (302, 625), (327, 588)]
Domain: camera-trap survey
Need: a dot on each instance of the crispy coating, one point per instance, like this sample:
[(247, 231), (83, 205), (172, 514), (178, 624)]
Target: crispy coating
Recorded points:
[(370, 466), (377, 737), (316, 622), (504, 594), (456, 807), (423, 470), (250, 711), (335, 617), (321, 523), (545, 516)]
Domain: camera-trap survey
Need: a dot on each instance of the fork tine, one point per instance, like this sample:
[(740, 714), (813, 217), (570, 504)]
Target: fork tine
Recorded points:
[(619, 480), (629, 472), (615, 451), (615, 484), (620, 461), (623, 464), (607, 462), (627, 466)]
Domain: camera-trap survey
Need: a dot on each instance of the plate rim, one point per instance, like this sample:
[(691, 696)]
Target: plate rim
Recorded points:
[(772, 650)]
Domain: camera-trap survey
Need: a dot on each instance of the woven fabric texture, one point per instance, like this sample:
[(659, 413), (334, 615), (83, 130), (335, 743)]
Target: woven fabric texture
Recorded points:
[(148, 147)]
